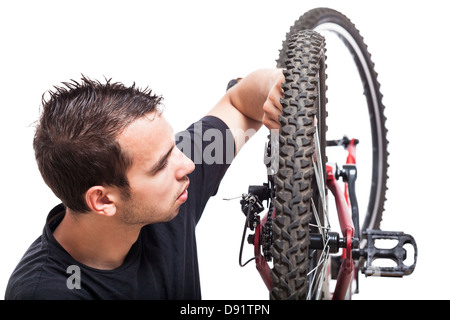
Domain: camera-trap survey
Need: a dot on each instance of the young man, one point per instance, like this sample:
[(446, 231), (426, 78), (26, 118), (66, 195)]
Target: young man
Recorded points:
[(131, 199)]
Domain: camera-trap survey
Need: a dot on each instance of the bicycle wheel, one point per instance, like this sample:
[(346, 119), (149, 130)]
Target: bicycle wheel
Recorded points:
[(368, 110), (299, 181), (300, 196)]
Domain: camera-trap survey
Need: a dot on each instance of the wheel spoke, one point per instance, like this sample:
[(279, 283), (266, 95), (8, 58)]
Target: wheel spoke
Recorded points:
[(322, 264)]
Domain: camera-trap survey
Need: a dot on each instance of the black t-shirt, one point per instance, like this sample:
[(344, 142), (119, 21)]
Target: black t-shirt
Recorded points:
[(162, 263)]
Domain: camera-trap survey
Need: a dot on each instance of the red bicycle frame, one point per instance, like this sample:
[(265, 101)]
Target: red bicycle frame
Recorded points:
[(348, 231)]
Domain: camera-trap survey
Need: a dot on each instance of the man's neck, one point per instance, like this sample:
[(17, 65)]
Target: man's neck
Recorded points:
[(94, 240)]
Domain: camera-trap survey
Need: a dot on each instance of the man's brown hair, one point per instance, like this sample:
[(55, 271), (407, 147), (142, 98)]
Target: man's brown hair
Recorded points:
[(75, 142)]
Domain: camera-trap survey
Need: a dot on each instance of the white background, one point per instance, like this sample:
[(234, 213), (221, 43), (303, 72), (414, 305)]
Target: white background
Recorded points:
[(187, 51)]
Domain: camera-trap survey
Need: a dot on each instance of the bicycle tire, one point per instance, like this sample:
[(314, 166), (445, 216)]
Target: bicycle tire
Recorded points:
[(302, 118), (336, 22)]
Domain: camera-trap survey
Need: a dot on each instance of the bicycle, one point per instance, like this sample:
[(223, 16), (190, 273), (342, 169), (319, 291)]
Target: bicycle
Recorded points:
[(295, 234)]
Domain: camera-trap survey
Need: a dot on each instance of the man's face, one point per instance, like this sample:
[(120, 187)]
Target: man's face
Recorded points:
[(158, 174)]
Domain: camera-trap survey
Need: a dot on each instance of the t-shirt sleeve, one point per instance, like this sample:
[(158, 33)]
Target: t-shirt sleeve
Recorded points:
[(210, 145)]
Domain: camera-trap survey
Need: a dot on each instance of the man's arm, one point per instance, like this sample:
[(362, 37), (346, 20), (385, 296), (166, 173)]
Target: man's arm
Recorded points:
[(254, 101)]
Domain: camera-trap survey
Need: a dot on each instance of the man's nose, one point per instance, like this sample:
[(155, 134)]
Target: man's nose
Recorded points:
[(186, 165)]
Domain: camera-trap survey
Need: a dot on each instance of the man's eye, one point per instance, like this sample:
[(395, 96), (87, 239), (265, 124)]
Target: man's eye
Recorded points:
[(164, 165)]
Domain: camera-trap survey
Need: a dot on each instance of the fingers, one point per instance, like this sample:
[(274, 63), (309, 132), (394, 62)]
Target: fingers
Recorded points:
[(270, 117), (272, 107)]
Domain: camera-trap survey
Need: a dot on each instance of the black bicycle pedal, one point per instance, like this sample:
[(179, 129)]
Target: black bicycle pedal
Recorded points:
[(398, 254)]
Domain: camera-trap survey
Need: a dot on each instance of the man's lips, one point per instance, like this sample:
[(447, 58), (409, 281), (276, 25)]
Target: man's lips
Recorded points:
[(184, 194)]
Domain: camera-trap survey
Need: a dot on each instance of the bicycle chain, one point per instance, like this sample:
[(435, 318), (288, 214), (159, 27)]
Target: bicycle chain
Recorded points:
[(267, 234)]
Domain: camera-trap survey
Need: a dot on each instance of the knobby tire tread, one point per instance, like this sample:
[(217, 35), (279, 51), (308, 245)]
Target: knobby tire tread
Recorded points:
[(293, 180), (311, 20)]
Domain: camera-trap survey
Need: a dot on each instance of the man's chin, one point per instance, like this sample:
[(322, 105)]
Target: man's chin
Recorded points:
[(172, 215)]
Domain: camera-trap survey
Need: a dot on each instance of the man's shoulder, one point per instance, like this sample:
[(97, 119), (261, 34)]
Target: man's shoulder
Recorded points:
[(31, 288), (42, 279), (37, 276)]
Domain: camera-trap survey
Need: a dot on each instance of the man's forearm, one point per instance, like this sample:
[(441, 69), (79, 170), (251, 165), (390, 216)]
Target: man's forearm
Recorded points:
[(254, 101)]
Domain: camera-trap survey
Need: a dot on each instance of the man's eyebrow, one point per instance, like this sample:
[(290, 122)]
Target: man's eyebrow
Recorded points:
[(161, 161)]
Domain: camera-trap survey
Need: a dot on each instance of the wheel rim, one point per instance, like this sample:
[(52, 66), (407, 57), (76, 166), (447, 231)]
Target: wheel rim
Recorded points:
[(373, 106)]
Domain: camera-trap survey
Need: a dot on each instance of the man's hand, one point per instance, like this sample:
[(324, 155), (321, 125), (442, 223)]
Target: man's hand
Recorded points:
[(272, 107)]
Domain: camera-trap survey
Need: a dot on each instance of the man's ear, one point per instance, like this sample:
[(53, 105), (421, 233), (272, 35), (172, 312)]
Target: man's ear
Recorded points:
[(101, 200)]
